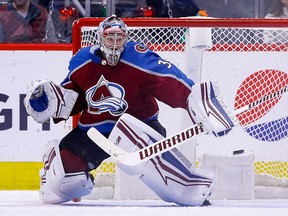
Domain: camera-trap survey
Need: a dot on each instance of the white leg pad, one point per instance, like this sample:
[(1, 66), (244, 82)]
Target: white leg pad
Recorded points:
[(173, 184), (56, 186), (171, 176)]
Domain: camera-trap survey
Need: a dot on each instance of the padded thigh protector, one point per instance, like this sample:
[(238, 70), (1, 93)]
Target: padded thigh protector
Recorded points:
[(45, 99)]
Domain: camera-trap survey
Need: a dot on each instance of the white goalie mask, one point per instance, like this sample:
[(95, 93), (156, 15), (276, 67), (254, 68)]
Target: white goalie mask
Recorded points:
[(113, 35)]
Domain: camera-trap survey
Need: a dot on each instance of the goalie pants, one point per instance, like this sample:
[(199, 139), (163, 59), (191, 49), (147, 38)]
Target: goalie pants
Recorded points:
[(82, 147)]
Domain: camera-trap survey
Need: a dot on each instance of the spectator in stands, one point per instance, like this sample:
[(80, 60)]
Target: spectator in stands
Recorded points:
[(239, 9), (228, 8), (279, 9), (126, 8), (44, 3), (22, 21), (174, 8)]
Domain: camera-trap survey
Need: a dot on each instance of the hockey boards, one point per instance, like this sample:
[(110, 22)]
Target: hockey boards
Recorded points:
[(166, 144)]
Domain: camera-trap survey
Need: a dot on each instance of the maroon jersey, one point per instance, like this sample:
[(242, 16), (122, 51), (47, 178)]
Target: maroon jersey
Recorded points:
[(132, 86)]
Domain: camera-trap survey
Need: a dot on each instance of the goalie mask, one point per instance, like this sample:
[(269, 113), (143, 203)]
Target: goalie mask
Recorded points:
[(113, 35)]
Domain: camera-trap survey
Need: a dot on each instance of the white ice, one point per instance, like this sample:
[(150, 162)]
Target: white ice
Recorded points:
[(27, 203)]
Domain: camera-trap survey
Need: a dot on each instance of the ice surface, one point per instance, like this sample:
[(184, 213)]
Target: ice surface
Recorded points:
[(27, 203)]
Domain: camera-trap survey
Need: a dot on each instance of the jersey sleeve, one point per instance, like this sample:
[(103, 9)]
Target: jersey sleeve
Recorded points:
[(165, 81), (82, 57)]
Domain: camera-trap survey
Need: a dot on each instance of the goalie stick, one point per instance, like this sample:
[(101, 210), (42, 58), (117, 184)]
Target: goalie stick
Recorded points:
[(148, 152), (166, 144)]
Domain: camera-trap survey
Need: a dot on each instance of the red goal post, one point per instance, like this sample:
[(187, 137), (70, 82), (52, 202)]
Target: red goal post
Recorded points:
[(248, 57)]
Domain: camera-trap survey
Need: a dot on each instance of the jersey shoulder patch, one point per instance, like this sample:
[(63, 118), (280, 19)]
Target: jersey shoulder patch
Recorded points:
[(141, 48), (138, 54)]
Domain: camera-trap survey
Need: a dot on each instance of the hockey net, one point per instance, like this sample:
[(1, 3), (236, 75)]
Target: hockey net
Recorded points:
[(247, 57)]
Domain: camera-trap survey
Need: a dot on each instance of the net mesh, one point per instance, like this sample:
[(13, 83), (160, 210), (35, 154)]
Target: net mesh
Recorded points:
[(160, 39), (243, 39), (267, 86)]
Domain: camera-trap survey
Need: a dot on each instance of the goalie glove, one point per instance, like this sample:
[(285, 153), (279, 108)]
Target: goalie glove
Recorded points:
[(45, 99), (208, 109)]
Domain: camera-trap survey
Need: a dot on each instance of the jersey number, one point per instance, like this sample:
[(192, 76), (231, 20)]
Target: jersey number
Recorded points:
[(166, 63)]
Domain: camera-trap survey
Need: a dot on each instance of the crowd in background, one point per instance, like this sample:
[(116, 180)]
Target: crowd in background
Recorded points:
[(50, 21)]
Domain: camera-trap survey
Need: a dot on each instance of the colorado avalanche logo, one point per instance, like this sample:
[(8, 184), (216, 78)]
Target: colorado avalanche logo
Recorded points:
[(106, 96), (141, 48)]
